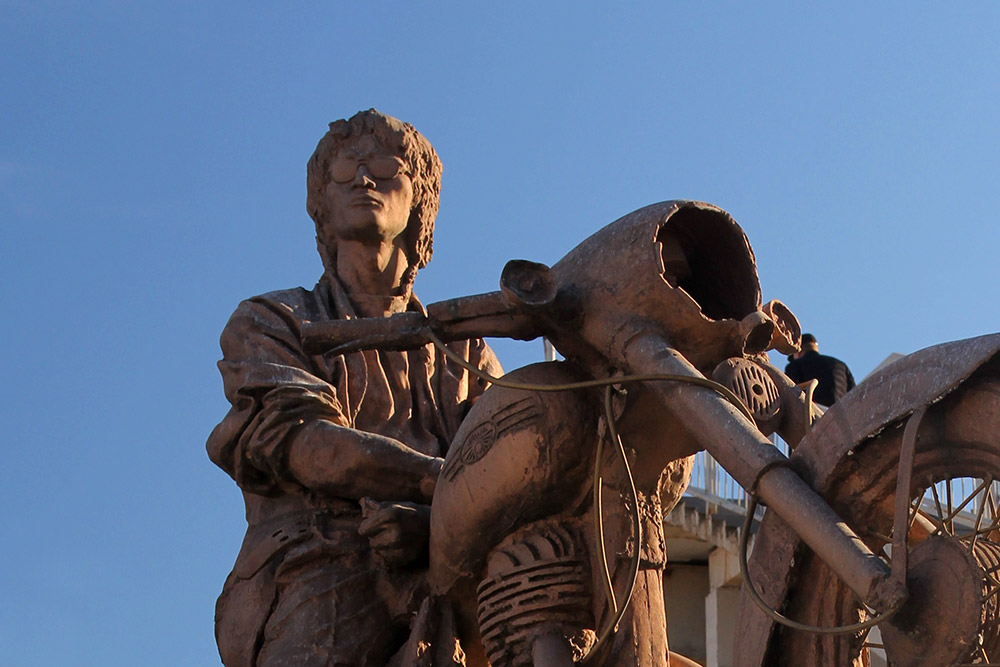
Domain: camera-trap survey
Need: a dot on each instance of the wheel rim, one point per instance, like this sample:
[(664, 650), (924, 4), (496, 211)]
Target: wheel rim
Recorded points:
[(958, 448)]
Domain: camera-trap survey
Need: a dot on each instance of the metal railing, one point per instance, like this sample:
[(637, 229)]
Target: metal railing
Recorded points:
[(965, 500), (710, 482)]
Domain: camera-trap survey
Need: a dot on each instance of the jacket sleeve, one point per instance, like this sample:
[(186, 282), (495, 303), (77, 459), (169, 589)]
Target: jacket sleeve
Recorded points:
[(792, 371), (273, 392)]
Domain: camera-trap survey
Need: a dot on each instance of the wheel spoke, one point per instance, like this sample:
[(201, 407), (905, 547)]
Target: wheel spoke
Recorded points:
[(979, 515), (994, 525), (950, 521), (916, 508), (937, 503), (938, 526), (992, 593), (953, 513), (880, 536)]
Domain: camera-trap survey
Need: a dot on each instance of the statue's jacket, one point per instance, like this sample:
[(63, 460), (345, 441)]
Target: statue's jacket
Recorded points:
[(275, 389)]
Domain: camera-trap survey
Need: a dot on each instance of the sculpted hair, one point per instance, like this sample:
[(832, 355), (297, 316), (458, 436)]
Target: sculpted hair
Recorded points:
[(424, 170)]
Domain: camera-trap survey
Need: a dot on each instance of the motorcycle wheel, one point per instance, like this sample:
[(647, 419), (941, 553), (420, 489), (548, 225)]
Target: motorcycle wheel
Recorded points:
[(952, 617)]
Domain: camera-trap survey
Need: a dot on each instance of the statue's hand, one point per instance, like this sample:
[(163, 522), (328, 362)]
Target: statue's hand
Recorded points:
[(397, 532), (429, 482)]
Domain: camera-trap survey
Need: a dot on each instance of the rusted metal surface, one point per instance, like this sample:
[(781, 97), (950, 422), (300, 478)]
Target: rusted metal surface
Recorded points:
[(904, 479), (479, 315), (959, 437), (817, 525), (627, 278), (754, 462), (941, 623), (625, 298), (787, 337), (512, 463), (987, 554), (890, 394), (721, 429), (749, 381), (672, 289)]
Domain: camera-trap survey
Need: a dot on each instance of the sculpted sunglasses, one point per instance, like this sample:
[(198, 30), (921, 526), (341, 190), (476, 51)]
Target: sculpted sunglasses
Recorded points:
[(344, 169)]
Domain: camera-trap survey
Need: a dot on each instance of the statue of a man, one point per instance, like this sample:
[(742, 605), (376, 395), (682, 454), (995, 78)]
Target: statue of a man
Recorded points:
[(337, 455)]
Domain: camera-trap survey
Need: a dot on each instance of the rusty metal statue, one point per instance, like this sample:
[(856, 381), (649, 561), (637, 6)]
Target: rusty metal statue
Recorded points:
[(337, 455), (659, 301), (669, 291), (887, 460), (545, 527)]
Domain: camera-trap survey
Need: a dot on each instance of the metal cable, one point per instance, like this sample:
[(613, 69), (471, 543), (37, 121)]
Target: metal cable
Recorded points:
[(751, 507), (617, 610), (726, 392), (784, 620)]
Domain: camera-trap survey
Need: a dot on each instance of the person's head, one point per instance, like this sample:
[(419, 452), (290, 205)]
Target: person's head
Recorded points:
[(369, 141), (809, 343)]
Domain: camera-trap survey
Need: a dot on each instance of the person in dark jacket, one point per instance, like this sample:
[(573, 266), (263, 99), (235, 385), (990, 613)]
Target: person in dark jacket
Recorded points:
[(833, 375)]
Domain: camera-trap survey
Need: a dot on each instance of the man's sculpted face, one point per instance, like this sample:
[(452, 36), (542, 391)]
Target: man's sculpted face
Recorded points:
[(369, 196)]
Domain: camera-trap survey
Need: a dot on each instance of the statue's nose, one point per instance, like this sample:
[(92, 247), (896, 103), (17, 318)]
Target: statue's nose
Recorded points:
[(363, 177)]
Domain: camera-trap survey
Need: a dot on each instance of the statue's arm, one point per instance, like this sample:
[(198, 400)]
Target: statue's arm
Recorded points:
[(342, 462), (287, 427)]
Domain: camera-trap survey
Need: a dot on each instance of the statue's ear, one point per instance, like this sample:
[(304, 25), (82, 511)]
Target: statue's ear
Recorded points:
[(787, 337), (527, 284)]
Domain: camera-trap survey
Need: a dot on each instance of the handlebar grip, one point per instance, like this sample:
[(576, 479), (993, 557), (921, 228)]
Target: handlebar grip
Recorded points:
[(401, 331)]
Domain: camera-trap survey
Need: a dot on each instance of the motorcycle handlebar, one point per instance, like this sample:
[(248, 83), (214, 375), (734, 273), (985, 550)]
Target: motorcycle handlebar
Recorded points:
[(479, 316)]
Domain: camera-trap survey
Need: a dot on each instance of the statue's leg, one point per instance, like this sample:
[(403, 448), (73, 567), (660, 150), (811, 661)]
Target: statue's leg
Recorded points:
[(327, 615), (328, 610), (240, 615)]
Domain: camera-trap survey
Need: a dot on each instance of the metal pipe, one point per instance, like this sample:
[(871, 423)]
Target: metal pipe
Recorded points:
[(760, 467), (808, 515)]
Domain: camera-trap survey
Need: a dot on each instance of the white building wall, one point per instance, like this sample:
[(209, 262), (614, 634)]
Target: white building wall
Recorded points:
[(685, 587)]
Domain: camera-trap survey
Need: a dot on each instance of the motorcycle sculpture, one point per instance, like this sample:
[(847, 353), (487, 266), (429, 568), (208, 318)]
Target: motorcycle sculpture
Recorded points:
[(546, 524)]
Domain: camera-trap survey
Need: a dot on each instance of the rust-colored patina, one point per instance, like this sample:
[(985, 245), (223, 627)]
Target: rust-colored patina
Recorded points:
[(337, 455), (603, 326), (670, 290), (399, 515), (852, 458)]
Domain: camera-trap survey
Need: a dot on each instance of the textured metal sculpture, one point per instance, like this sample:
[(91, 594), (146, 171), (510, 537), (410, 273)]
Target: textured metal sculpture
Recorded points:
[(337, 455), (670, 291), (860, 457), (545, 526), (522, 463)]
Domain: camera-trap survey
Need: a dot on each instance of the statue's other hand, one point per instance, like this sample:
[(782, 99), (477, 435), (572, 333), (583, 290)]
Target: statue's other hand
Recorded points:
[(397, 532)]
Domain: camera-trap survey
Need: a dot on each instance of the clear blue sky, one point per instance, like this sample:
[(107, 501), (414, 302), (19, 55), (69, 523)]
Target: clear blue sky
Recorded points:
[(152, 174)]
